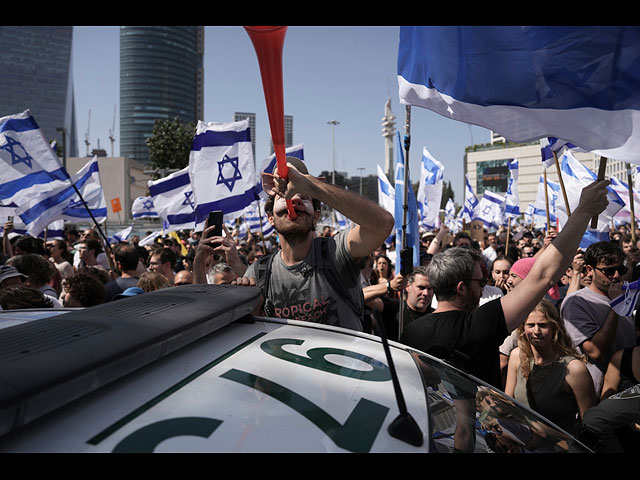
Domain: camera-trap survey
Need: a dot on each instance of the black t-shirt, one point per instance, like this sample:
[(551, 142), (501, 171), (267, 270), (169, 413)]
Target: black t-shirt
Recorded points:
[(391, 316), (468, 340)]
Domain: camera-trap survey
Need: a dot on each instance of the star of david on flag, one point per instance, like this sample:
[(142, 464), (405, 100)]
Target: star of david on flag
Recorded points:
[(142, 207), (28, 165), (221, 170), (172, 199)]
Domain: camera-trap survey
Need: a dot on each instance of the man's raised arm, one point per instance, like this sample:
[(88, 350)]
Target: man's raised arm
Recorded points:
[(555, 259), (373, 223)]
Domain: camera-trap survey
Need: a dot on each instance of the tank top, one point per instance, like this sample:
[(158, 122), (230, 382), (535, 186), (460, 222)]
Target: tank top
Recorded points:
[(547, 395)]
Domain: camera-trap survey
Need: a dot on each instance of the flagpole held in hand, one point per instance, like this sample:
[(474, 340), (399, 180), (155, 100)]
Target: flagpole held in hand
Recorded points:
[(268, 42), (406, 252), (601, 169)]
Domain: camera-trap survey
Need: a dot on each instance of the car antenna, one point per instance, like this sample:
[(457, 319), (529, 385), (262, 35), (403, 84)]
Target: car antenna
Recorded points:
[(404, 427)]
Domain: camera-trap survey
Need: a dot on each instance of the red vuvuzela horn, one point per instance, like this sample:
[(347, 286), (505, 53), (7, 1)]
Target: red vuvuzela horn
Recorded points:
[(268, 42)]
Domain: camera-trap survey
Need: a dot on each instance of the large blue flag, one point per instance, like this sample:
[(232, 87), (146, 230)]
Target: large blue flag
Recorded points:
[(412, 233), (221, 169), (578, 83), (173, 200), (28, 165)]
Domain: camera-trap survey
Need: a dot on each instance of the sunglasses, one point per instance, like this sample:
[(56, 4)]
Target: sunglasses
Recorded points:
[(611, 271)]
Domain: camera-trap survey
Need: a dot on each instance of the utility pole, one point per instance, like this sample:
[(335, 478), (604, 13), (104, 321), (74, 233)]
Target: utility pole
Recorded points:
[(333, 123)]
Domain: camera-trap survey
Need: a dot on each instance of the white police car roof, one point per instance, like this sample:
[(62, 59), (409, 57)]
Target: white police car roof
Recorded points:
[(189, 369)]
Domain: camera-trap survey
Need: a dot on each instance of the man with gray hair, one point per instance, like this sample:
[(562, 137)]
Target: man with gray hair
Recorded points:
[(467, 335)]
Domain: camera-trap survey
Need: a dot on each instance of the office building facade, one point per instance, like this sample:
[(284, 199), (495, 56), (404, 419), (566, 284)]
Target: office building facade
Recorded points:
[(161, 78), (36, 75)]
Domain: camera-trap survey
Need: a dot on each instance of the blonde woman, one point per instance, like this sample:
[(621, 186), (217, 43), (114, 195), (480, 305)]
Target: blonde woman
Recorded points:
[(546, 373)]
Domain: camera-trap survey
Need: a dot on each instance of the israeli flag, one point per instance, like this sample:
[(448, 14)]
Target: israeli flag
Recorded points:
[(221, 169), (122, 235), (576, 176), (625, 304), (528, 214), (470, 202), (386, 192), (622, 189), (578, 83), (174, 201), (256, 219), (150, 239), (512, 199), (142, 207), (430, 190), (491, 210), (269, 163), (412, 231), (451, 220), (64, 203), (28, 164), (554, 198), (343, 222)]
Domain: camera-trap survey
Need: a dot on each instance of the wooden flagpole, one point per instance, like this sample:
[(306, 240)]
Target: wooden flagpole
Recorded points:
[(631, 205)]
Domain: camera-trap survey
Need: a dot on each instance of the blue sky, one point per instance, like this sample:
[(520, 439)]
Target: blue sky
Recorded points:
[(329, 73)]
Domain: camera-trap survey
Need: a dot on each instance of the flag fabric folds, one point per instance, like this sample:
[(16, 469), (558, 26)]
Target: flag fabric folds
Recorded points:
[(576, 176), (625, 304), (221, 169), (512, 199), (142, 207), (28, 165), (578, 83), (173, 199), (63, 203), (122, 235), (386, 192), (553, 198), (430, 190), (491, 210), (256, 219), (470, 202), (622, 189), (411, 233)]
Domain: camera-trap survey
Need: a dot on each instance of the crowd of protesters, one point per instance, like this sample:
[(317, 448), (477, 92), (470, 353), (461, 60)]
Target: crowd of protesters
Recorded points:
[(537, 324)]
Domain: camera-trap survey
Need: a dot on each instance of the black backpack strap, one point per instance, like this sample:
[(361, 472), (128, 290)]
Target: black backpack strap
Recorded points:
[(263, 273)]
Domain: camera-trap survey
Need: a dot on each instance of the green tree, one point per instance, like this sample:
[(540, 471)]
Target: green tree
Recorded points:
[(447, 193), (170, 144)]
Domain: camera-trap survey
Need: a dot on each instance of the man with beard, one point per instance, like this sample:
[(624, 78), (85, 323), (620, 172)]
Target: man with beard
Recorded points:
[(316, 278), (468, 336)]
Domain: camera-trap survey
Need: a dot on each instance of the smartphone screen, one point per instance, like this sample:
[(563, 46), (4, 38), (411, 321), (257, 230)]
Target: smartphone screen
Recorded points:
[(215, 218)]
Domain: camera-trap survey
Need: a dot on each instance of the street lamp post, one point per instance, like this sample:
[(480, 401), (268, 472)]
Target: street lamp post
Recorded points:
[(333, 174)]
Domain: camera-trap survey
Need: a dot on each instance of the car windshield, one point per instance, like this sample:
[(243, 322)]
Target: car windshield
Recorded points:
[(469, 416)]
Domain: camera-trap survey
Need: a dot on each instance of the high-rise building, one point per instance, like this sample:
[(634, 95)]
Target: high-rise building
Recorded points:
[(36, 75), (288, 133), (239, 116), (161, 78)]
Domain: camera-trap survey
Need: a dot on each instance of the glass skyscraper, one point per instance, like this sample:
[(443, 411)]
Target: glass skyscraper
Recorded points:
[(161, 77), (36, 75)]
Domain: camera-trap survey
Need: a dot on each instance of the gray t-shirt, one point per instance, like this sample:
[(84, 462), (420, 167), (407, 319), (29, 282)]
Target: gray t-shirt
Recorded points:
[(300, 292), (584, 313)]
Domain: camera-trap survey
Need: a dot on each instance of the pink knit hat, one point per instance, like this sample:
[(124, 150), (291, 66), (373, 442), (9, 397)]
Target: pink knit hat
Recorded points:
[(522, 268)]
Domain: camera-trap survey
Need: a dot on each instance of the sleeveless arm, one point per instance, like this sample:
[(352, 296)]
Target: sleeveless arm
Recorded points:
[(579, 380)]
